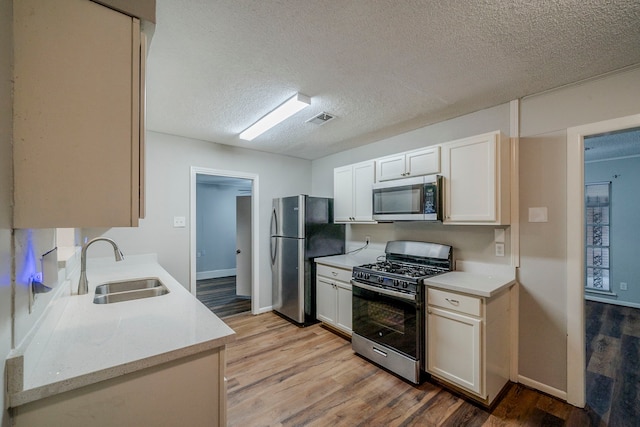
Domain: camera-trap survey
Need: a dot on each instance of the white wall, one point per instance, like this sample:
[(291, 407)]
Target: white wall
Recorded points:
[(169, 160), (542, 275), (6, 195), (490, 119), (624, 174)]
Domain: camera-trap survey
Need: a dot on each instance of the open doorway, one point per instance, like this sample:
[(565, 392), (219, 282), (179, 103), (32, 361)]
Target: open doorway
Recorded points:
[(612, 291), (222, 240), (577, 274)]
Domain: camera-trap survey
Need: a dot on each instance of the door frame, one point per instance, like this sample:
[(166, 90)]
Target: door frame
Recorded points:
[(576, 352), (255, 297)]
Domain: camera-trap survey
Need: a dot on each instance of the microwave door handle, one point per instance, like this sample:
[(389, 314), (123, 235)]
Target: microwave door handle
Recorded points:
[(383, 291)]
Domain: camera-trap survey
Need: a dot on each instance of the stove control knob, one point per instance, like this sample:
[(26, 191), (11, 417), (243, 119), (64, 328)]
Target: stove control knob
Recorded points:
[(367, 275), (405, 285), (380, 279)]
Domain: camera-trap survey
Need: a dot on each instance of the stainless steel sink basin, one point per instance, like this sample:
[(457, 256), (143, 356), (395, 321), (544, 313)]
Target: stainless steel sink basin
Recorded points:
[(128, 285), (129, 290)]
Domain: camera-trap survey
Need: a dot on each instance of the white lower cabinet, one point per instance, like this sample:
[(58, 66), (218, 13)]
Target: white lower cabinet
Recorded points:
[(333, 297), (468, 342)]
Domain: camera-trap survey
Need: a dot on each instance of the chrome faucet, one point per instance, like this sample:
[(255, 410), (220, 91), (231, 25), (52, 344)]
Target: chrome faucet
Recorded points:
[(83, 283)]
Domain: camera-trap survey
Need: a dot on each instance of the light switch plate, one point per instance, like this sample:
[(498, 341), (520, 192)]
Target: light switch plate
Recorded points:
[(538, 215), (179, 221)]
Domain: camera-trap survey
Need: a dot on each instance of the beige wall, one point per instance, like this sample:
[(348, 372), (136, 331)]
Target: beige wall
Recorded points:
[(542, 274), (6, 185), (169, 161)]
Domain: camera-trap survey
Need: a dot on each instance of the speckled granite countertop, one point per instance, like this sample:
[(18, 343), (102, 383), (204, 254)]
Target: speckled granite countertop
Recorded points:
[(79, 343)]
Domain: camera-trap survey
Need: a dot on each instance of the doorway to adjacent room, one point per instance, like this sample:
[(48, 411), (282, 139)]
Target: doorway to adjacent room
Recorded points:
[(222, 240), (578, 275)]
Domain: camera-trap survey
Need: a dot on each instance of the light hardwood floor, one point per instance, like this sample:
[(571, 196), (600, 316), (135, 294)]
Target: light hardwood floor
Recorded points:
[(282, 375)]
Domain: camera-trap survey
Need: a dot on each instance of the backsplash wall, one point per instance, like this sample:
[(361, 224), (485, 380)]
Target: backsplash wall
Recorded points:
[(470, 243)]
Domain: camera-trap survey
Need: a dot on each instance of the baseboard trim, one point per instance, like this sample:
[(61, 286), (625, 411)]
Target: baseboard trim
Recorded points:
[(214, 274), (543, 387), (264, 309)]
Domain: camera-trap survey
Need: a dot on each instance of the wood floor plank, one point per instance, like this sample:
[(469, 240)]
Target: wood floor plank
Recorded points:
[(283, 375), (612, 335)]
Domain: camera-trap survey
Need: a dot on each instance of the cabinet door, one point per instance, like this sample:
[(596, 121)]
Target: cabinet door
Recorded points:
[(326, 306), (344, 307), (392, 167), (363, 176), (470, 179), (76, 115), (454, 348), (343, 194), (423, 162)]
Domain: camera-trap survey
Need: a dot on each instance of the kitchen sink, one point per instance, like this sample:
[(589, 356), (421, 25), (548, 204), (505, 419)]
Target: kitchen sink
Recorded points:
[(129, 290), (128, 285)]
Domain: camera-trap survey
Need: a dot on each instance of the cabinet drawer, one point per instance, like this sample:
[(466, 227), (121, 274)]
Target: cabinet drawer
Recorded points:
[(334, 273), (453, 301)]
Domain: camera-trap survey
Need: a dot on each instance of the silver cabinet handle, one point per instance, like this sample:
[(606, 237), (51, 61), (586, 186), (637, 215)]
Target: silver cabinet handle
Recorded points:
[(453, 301), (335, 273)]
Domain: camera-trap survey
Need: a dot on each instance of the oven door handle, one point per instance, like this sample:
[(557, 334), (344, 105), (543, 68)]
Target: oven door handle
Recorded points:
[(388, 292)]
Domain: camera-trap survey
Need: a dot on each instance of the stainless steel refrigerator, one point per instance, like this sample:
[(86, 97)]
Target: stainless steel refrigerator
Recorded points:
[(302, 229)]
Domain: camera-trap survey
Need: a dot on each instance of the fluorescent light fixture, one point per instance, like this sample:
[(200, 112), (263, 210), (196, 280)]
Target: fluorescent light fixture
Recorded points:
[(283, 112)]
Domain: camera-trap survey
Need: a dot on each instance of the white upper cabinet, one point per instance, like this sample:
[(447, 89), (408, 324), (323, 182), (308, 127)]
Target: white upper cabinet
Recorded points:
[(78, 115), (352, 194), (477, 180), (425, 161)]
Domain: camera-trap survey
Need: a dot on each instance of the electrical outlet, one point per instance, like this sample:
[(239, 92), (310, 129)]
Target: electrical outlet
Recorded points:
[(367, 239), (623, 286), (499, 249), (179, 221)]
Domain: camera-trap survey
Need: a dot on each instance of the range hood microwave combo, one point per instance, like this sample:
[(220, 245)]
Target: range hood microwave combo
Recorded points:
[(408, 199)]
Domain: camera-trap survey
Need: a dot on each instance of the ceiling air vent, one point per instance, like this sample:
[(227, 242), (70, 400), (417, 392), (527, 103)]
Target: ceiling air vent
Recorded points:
[(321, 118)]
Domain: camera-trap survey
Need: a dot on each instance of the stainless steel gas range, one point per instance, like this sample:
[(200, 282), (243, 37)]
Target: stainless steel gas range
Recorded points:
[(389, 302)]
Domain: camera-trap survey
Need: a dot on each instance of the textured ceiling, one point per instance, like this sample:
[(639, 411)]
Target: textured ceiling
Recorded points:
[(381, 67), (613, 145)]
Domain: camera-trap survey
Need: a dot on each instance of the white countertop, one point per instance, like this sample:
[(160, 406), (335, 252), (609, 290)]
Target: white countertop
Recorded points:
[(349, 261), (79, 343), (483, 280)]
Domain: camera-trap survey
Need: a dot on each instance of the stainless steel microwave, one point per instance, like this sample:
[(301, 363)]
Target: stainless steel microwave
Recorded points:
[(408, 199)]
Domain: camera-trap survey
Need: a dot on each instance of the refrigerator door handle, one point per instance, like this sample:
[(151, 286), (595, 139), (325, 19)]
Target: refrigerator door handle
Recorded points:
[(274, 229), (274, 250), (274, 223)]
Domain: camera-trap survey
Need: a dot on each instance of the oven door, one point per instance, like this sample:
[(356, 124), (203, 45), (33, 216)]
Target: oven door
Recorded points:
[(387, 317)]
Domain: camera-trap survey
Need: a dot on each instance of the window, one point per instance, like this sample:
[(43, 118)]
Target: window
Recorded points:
[(598, 229)]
